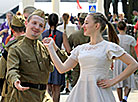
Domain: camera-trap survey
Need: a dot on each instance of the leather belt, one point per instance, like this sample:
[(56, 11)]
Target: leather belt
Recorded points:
[(35, 86)]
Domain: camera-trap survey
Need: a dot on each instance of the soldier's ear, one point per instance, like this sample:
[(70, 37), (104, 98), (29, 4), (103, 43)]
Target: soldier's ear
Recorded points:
[(26, 22)]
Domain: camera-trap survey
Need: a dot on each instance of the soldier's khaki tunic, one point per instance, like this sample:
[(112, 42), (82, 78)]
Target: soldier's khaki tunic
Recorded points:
[(3, 68), (28, 61), (3, 59), (75, 39)]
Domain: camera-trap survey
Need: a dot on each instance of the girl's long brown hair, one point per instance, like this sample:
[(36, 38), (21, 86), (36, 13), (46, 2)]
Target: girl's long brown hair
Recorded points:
[(65, 18), (100, 18)]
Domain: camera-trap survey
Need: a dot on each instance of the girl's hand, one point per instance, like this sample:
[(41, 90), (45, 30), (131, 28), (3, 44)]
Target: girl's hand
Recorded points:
[(49, 43), (105, 83)]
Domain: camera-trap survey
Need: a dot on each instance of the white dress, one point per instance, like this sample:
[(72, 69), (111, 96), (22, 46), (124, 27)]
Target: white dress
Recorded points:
[(95, 61), (125, 42)]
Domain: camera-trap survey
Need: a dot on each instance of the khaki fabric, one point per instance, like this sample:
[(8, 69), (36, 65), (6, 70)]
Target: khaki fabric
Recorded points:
[(31, 95), (78, 38), (3, 61), (40, 13), (3, 69), (18, 21)]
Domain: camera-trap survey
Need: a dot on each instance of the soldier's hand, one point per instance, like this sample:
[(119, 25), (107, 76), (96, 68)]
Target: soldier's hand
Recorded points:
[(17, 84)]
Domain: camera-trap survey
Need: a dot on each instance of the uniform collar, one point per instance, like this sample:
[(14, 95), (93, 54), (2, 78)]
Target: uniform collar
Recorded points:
[(30, 41), (20, 37)]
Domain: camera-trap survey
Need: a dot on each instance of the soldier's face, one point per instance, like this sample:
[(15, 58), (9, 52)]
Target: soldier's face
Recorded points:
[(35, 27)]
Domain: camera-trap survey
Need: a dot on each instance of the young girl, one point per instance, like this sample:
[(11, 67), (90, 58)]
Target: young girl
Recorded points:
[(95, 59)]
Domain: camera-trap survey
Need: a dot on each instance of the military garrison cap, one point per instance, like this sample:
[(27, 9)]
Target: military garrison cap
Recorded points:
[(40, 13), (18, 21), (83, 15)]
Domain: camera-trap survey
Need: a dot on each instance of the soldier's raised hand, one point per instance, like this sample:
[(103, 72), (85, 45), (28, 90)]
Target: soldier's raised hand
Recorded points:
[(17, 84)]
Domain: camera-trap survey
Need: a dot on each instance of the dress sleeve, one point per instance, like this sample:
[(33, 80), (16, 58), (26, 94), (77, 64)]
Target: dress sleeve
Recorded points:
[(75, 53), (115, 51)]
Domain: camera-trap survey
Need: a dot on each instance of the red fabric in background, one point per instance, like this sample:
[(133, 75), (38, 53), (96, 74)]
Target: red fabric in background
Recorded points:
[(79, 6), (136, 48)]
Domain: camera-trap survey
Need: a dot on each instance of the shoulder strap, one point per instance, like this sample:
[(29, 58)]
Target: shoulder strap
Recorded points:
[(10, 43)]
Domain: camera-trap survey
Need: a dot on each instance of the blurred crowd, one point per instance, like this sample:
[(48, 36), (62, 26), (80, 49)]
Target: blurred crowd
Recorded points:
[(69, 32)]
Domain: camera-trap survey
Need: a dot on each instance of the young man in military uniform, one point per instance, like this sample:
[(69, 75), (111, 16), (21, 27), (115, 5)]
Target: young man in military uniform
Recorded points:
[(75, 39), (29, 64), (18, 28), (18, 25)]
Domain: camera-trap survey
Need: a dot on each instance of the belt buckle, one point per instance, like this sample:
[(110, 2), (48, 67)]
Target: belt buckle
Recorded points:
[(39, 86)]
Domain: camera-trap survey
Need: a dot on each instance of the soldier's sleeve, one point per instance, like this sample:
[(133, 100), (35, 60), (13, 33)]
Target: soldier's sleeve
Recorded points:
[(12, 66), (3, 67)]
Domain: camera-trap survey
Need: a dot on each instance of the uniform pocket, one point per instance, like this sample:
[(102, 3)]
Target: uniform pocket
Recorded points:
[(29, 65)]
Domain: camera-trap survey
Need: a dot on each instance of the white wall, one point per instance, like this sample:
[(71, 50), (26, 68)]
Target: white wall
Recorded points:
[(6, 5), (67, 7)]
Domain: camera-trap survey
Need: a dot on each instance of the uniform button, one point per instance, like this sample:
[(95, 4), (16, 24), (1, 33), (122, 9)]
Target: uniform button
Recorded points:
[(29, 61)]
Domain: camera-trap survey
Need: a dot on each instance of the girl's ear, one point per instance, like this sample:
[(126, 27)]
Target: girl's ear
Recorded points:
[(97, 25)]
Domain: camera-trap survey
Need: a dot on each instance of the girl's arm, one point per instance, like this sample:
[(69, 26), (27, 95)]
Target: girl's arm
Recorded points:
[(132, 65), (61, 67), (133, 52)]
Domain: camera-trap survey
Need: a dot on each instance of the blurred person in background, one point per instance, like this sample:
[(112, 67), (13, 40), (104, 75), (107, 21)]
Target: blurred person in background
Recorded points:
[(128, 43), (17, 26), (70, 28), (4, 28), (134, 17), (28, 10), (4, 32), (11, 36)]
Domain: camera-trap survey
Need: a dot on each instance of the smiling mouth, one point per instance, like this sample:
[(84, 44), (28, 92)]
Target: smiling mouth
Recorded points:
[(35, 31)]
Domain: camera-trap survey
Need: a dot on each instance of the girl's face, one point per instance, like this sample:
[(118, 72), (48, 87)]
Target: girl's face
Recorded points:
[(89, 26)]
